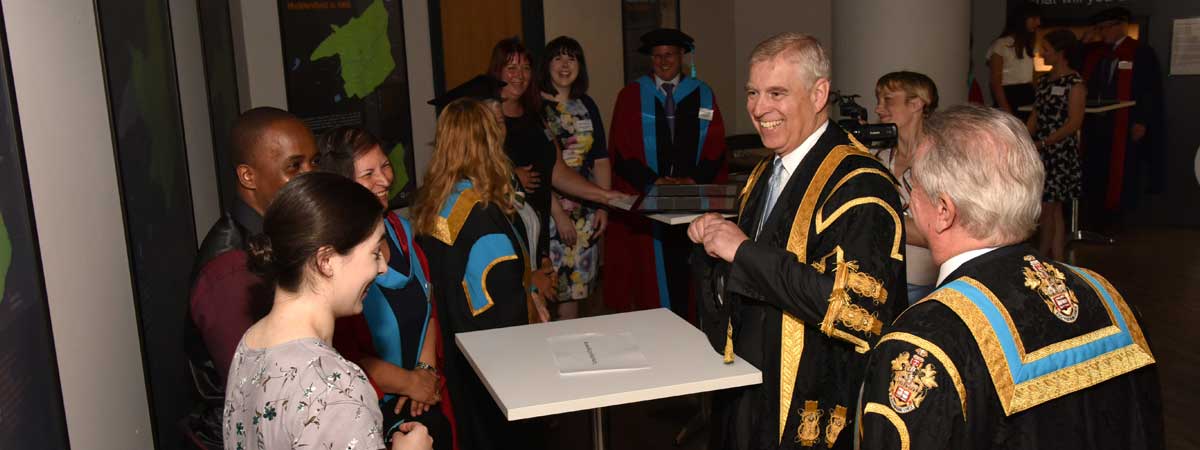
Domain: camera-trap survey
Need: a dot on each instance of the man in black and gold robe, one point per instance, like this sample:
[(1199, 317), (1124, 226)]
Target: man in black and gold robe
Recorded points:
[(812, 269), (1012, 350)]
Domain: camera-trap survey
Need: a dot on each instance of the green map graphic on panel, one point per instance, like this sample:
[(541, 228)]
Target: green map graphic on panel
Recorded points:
[(5, 255), (396, 157), (364, 50)]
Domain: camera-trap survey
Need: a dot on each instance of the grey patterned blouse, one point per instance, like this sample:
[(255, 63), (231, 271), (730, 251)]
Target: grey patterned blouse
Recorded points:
[(300, 394)]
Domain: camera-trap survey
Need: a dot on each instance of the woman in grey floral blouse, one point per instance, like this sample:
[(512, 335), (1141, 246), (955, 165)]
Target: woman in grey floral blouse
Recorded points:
[(288, 388)]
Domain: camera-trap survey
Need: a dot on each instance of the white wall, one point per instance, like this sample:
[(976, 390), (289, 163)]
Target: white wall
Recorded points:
[(926, 36), (193, 103), (727, 31), (710, 23), (65, 127), (597, 27), (420, 82), (987, 21), (257, 46)]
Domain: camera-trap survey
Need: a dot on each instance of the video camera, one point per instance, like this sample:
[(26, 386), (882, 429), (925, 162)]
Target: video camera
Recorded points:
[(854, 120)]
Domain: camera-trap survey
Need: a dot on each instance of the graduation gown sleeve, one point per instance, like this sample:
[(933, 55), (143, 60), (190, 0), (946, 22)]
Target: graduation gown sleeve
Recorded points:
[(844, 290)]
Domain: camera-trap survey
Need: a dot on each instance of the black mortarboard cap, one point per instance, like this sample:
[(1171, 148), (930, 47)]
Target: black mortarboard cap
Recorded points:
[(1117, 13), (666, 36), (482, 87)]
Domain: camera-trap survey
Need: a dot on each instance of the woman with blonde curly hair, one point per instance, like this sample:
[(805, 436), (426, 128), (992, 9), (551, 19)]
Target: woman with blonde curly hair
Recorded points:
[(464, 218)]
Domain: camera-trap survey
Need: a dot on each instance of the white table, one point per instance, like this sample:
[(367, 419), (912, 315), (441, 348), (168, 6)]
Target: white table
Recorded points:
[(518, 368)]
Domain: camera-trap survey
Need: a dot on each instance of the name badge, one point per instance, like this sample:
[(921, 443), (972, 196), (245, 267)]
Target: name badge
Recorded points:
[(1125, 65), (706, 114), (583, 126), (1058, 90)]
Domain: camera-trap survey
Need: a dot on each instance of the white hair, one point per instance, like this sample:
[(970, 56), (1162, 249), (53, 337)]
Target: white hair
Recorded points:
[(985, 162), (800, 49)]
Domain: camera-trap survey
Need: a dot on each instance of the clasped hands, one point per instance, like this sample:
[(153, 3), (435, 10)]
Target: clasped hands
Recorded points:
[(720, 237)]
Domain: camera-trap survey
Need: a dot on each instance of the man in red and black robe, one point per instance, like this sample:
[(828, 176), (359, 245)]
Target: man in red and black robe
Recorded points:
[(1122, 155), (666, 129)]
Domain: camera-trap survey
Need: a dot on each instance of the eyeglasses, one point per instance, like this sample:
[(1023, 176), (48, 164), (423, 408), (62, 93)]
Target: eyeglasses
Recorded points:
[(906, 181)]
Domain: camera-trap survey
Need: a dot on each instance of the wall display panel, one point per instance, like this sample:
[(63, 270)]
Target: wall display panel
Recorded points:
[(31, 407), (143, 95), (220, 70), (344, 63), (639, 17)]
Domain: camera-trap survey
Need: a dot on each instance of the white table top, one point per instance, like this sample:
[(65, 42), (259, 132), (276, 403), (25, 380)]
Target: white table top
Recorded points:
[(518, 368)]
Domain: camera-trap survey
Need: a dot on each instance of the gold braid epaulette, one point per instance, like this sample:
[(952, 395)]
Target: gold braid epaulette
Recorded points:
[(861, 283), (843, 310)]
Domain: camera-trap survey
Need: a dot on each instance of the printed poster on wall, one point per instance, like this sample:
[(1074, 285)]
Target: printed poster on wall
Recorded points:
[(344, 64)]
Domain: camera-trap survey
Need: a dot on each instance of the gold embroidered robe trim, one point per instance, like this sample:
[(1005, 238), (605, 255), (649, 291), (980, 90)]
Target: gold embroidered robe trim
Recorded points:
[(891, 416), (947, 364), (897, 235), (837, 421), (446, 229), (1016, 397), (792, 330)]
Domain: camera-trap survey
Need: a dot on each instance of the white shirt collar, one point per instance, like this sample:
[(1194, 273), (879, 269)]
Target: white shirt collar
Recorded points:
[(658, 82), (792, 159), (958, 260)]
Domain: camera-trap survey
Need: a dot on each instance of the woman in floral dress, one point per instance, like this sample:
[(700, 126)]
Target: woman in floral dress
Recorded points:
[(1060, 98), (287, 387), (575, 122)]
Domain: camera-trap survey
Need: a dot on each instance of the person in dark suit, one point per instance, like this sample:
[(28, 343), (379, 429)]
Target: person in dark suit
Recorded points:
[(269, 147), (1123, 153), (811, 270)]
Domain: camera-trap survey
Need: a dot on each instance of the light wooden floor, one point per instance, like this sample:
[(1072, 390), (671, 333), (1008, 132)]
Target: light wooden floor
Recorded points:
[(1157, 270)]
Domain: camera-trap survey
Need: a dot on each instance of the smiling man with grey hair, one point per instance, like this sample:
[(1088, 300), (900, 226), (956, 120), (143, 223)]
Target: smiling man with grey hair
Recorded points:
[(811, 270), (1012, 350)]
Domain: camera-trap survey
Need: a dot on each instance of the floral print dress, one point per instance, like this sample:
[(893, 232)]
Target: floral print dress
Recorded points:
[(299, 394), (1060, 159), (577, 126)]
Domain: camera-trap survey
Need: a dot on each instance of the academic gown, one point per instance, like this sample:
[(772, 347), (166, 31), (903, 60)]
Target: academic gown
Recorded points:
[(479, 272), (1014, 351), (646, 261), (1116, 169), (805, 300)]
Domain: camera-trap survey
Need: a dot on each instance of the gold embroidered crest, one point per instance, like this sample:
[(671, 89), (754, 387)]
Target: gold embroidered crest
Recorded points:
[(837, 421), (810, 424), (1048, 282), (912, 379)]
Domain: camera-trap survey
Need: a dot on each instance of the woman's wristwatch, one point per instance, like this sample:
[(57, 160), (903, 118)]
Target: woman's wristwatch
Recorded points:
[(422, 365)]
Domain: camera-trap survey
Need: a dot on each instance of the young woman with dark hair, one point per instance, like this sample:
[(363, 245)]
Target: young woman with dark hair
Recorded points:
[(1010, 59), (1057, 116), (320, 249), (575, 122), (395, 339)]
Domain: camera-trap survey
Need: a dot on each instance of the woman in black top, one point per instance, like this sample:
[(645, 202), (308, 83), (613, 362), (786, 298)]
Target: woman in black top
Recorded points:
[(536, 158)]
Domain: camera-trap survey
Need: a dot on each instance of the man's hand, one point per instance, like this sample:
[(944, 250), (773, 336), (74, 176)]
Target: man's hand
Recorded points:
[(722, 239), (696, 229), (412, 436), (1137, 132), (529, 178)]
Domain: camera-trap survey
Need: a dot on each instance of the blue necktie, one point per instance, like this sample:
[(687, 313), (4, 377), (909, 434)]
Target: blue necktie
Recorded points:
[(669, 107), (773, 188)]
